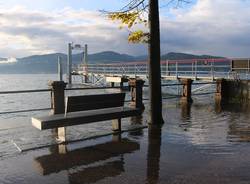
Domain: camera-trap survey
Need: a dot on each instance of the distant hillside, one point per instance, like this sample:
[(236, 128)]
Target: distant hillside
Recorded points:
[(47, 58), (48, 63), (110, 56), (180, 56)]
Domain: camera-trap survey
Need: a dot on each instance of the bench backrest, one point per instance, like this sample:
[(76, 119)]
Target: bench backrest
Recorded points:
[(92, 102)]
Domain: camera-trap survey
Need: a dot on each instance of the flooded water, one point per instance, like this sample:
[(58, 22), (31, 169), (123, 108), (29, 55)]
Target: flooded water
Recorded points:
[(203, 143)]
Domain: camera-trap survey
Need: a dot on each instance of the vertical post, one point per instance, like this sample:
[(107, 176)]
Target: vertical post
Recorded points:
[(186, 92), (58, 107), (248, 64), (212, 68), (221, 95), (167, 68), (121, 85), (135, 70), (137, 93), (232, 65), (192, 69), (195, 69), (86, 62), (69, 62), (116, 125), (176, 70), (60, 72)]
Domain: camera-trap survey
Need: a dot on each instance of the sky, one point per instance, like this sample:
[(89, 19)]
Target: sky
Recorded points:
[(214, 27)]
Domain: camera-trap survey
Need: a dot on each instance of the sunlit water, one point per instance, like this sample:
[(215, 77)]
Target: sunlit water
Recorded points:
[(203, 143)]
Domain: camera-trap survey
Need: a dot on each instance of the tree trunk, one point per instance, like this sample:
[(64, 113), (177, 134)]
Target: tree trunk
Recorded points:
[(154, 64)]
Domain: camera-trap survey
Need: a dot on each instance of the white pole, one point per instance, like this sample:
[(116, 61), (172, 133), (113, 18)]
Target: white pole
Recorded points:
[(60, 72), (86, 54), (85, 62), (176, 69), (196, 69), (69, 63)]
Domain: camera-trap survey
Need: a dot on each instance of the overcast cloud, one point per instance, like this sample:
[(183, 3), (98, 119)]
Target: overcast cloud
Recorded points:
[(217, 27)]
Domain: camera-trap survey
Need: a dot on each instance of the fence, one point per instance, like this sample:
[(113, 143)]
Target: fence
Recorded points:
[(213, 68), (90, 88)]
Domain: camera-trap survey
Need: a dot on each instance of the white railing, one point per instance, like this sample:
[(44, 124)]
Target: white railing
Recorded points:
[(195, 69)]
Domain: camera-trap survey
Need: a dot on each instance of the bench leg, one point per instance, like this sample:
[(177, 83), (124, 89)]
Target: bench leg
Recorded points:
[(61, 134), (62, 149), (116, 125)]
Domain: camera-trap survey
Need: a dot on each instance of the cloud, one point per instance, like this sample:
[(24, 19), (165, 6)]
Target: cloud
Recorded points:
[(216, 27), (24, 32)]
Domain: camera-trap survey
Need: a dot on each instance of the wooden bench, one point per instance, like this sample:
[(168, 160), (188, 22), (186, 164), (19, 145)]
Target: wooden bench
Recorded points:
[(87, 109)]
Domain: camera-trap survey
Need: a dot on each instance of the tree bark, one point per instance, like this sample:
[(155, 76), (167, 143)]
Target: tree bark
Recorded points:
[(154, 64)]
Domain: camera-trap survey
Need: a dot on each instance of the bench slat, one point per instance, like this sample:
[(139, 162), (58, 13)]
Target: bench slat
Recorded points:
[(91, 102), (83, 117)]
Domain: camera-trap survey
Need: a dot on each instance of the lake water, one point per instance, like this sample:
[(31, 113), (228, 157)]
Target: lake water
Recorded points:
[(201, 143)]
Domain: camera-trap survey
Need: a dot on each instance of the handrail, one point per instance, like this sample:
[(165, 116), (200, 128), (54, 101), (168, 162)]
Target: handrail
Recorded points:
[(28, 110), (25, 91), (80, 88), (196, 68), (89, 88)]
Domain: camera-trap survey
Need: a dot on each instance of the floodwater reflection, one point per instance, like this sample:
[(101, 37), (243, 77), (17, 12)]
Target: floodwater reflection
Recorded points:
[(186, 111), (136, 120), (227, 118), (93, 163), (153, 154), (61, 159), (198, 144)]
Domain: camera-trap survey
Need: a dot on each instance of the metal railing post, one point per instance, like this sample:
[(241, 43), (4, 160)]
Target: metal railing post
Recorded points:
[(167, 68), (135, 70), (192, 69), (60, 72), (195, 69), (176, 69), (212, 69)]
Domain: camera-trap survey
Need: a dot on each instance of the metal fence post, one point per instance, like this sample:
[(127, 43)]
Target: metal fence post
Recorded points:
[(69, 63), (167, 68), (212, 68), (176, 69), (60, 72), (195, 69)]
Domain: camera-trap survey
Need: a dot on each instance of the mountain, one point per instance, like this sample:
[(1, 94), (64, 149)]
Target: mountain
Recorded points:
[(48, 63), (110, 56), (180, 56)]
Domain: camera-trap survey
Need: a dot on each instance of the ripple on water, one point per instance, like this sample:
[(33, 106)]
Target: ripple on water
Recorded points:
[(197, 142)]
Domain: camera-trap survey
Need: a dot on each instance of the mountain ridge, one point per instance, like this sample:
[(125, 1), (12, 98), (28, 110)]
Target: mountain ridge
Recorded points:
[(47, 63)]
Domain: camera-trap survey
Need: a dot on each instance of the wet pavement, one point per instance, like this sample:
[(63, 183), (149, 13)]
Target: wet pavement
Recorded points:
[(199, 144)]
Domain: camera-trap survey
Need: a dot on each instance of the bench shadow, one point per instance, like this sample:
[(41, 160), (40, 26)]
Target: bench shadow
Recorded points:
[(88, 164)]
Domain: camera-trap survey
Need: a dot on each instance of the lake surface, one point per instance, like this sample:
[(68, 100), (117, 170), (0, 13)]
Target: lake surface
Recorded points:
[(201, 143)]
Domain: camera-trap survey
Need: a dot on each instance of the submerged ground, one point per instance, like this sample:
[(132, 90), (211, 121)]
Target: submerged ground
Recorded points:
[(200, 144)]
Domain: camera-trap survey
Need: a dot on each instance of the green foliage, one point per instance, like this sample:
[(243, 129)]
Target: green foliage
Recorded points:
[(138, 36), (130, 19)]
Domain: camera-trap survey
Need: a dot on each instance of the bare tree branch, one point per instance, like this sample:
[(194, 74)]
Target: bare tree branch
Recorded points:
[(142, 6)]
